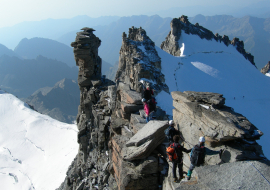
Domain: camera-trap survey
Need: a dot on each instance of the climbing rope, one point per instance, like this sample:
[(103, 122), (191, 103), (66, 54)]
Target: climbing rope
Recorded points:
[(259, 172)]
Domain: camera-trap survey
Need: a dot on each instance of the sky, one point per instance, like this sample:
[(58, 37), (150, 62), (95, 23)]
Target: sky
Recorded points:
[(16, 11)]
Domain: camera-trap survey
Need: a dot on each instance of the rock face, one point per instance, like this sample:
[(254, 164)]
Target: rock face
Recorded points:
[(204, 114), (182, 24), (249, 175), (86, 57), (139, 60), (90, 167), (266, 68)]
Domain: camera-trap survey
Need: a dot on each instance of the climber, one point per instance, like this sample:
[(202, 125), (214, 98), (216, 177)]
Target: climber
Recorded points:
[(171, 131), (197, 155), (152, 104), (148, 92), (146, 110), (179, 161)]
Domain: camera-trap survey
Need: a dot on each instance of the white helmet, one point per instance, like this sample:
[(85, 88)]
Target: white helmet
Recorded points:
[(143, 100), (201, 139), (171, 122)]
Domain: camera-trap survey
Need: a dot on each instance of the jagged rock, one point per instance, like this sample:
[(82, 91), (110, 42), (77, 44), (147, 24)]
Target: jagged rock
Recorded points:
[(145, 140), (86, 57), (266, 68), (182, 24), (139, 60)]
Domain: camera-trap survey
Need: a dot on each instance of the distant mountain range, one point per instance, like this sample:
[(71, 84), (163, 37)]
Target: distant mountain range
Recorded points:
[(50, 28), (255, 32), (22, 77), (59, 102), (31, 48)]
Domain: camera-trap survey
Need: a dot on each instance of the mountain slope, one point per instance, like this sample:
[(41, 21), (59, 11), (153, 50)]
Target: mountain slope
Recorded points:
[(255, 32), (210, 66), (31, 48), (35, 150), (59, 102), (24, 77), (5, 51)]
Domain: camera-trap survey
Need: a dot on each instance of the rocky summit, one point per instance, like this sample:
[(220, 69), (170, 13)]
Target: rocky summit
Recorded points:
[(120, 150)]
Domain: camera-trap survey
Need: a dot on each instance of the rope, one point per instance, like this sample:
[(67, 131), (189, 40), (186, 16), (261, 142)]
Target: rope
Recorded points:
[(260, 173)]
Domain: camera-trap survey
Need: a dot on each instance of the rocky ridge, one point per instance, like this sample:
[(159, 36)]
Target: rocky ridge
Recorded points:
[(139, 60), (118, 150), (182, 24)]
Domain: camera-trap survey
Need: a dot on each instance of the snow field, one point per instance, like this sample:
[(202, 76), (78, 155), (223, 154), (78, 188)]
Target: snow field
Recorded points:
[(210, 66), (35, 150)]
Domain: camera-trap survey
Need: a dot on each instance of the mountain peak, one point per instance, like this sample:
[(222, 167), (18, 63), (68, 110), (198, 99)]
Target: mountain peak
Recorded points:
[(182, 24)]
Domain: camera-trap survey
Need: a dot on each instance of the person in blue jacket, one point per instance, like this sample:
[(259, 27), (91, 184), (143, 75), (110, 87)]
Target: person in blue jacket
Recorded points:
[(197, 155)]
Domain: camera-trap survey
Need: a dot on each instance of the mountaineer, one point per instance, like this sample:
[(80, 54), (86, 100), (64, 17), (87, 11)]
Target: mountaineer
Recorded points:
[(197, 155), (171, 131), (148, 92), (146, 110), (175, 153)]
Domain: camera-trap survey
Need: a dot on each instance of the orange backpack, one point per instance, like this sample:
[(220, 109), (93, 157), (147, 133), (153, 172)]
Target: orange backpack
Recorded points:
[(171, 153)]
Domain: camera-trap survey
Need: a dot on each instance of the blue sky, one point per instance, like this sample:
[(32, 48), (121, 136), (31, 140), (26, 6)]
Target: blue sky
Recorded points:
[(16, 11)]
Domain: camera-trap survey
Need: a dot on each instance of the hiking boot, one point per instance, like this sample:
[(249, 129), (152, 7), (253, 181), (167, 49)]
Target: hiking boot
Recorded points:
[(188, 177), (175, 180)]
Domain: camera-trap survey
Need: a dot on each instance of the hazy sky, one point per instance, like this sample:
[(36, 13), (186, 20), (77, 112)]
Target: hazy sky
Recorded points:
[(16, 11)]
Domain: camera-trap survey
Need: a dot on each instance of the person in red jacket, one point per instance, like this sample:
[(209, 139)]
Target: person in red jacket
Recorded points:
[(146, 110)]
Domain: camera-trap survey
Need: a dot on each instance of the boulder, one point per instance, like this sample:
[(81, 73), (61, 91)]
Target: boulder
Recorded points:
[(131, 97), (145, 140), (130, 108)]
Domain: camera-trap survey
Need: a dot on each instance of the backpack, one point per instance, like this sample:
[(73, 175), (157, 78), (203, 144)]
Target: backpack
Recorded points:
[(197, 155), (170, 132), (171, 153)]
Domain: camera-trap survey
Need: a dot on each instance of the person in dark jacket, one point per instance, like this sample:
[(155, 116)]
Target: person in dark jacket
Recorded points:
[(197, 155), (179, 161), (147, 94)]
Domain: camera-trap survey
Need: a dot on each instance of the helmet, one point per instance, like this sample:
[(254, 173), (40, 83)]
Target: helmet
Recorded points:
[(201, 139), (143, 100), (171, 122)]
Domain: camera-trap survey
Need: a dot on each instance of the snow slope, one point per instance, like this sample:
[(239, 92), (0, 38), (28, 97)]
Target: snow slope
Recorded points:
[(210, 66), (35, 150)]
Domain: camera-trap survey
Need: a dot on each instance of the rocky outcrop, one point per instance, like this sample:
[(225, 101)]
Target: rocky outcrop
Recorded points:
[(182, 24), (139, 60), (204, 114), (243, 175), (266, 68), (90, 167)]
